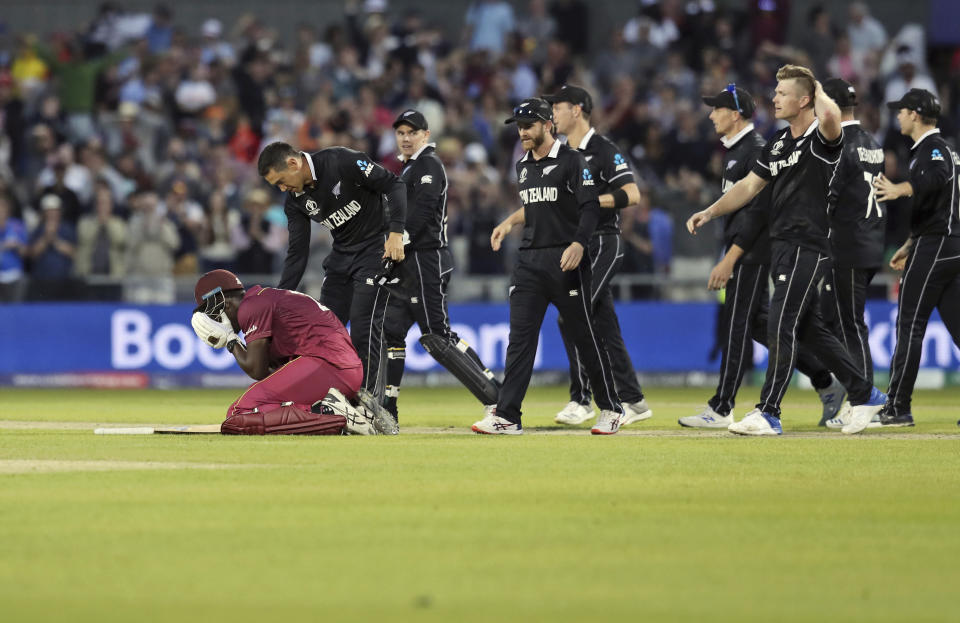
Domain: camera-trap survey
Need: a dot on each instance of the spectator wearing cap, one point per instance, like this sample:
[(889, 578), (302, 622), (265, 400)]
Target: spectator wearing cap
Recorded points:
[(930, 258), (13, 246), (52, 249)]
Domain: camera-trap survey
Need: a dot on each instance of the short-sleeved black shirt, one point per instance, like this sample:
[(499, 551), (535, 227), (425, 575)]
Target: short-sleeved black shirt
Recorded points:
[(800, 170), (559, 196), (857, 221), (610, 171)]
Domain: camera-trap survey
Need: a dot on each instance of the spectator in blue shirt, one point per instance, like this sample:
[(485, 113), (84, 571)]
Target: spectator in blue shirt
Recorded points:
[(52, 248), (13, 244), (489, 23)]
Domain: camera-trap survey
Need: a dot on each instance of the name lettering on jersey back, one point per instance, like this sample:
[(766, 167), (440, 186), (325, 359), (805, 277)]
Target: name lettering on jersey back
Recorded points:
[(538, 194), (778, 165), (870, 156), (342, 215)]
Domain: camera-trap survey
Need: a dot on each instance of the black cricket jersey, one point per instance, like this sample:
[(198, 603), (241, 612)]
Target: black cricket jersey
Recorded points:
[(352, 196), (742, 150), (559, 196), (610, 171), (857, 221), (426, 182), (936, 188), (800, 170)]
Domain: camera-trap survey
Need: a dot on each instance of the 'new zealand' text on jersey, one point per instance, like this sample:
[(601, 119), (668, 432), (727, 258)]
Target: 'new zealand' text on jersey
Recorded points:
[(742, 150), (800, 170), (857, 221), (351, 195), (610, 171), (936, 187), (426, 182), (559, 196)]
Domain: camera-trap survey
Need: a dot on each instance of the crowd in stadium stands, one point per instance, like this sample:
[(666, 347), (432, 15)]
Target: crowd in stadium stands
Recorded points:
[(127, 147)]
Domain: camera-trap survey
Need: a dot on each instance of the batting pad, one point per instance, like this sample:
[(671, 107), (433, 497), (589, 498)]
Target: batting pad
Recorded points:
[(193, 429)]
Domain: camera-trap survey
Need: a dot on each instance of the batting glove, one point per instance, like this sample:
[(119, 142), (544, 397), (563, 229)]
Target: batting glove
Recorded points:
[(214, 333)]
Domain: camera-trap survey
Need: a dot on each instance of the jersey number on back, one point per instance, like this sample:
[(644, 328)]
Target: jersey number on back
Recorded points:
[(872, 197)]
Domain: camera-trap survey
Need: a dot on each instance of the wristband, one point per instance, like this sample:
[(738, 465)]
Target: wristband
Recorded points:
[(231, 344), (620, 199)]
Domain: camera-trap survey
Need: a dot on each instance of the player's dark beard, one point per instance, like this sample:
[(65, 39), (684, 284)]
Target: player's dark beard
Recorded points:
[(538, 140)]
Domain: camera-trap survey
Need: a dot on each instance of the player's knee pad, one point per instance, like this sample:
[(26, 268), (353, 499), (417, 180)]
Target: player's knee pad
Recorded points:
[(285, 420), (462, 363)]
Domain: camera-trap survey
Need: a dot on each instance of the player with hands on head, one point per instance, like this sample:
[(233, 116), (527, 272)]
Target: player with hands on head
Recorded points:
[(305, 367), (744, 270), (930, 258), (421, 292), (364, 207), (797, 163), (616, 189), (559, 214)]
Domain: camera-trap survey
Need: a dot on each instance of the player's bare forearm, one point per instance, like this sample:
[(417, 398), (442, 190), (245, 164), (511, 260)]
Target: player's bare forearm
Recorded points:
[(517, 218), (500, 231), (254, 359), (734, 199), (608, 200), (828, 114)]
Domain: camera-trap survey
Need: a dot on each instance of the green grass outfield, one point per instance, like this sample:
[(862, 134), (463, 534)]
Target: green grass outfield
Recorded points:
[(657, 524)]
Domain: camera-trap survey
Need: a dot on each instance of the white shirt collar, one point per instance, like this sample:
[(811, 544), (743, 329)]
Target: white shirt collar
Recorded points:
[(553, 151), (313, 172), (813, 126), (728, 143), (420, 151), (925, 135), (586, 139), (844, 124)]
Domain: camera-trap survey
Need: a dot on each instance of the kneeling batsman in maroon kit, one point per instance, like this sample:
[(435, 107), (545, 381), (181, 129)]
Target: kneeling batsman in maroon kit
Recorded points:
[(305, 365)]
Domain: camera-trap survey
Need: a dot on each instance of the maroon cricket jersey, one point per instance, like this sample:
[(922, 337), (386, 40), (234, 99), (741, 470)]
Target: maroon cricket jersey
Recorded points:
[(298, 324)]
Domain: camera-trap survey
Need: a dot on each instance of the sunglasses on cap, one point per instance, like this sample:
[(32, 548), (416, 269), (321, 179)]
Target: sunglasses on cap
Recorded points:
[(732, 90)]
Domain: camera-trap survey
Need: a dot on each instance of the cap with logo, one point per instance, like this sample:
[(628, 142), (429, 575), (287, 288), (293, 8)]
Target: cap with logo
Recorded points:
[(530, 110), (572, 95), (734, 98), (412, 118), (918, 100), (840, 91)]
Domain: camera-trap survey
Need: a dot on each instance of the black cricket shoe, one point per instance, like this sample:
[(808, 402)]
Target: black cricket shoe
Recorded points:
[(904, 419)]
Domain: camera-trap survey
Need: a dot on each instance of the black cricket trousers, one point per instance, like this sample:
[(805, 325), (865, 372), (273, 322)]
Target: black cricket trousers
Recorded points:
[(538, 281)]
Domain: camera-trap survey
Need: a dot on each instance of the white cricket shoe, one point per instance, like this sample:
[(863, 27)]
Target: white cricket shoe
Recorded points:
[(575, 413), (382, 419), (707, 419), (832, 397), (636, 412), (608, 423), (493, 424), (336, 403), (757, 423), (861, 415), (843, 418)]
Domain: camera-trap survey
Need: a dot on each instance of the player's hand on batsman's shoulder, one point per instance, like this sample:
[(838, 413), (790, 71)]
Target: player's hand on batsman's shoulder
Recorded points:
[(393, 247), (698, 220), (571, 256), (499, 233), (216, 334)]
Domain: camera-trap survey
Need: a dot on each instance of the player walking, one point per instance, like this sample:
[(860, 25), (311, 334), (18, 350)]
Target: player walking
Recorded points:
[(744, 274), (364, 207), (798, 163), (857, 227), (617, 189), (559, 214), (297, 351), (421, 295), (930, 258)]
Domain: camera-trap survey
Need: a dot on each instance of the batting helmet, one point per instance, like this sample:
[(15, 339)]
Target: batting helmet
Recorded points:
[(211, 288)]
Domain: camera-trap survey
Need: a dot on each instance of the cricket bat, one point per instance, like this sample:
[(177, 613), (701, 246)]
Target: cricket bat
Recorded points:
[(192, 429)]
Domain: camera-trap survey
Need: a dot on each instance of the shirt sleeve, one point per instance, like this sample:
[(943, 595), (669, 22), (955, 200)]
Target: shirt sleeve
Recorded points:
[(584, 188), (828, 150), (427, 183), (256, 318), (761, 165), (930, 173), (616, 170), (358, 168), (298, 247)]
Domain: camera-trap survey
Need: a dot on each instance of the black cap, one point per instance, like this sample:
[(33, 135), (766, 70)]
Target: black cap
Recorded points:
[(918, 100), (412, 118), (742, 103), (532, 109), (840, 91), (573, 95)]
